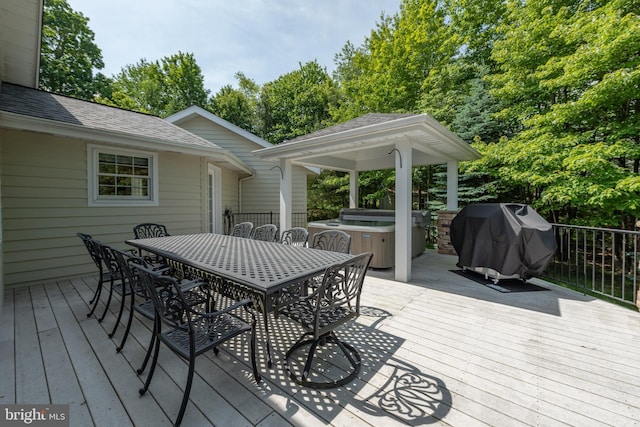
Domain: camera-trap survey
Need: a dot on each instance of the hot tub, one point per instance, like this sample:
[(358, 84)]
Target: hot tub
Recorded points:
[(373, 230)]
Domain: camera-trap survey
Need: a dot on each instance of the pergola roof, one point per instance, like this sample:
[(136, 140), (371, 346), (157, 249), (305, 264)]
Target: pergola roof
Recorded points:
[(365, 143)]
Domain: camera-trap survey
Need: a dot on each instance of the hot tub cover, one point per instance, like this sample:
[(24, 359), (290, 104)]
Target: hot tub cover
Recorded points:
[(509, 238)]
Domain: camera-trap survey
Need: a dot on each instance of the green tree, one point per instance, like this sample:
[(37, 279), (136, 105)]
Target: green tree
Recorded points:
[(296, 103), (161, 87), (69, 54), (569, 72), (238, 106)]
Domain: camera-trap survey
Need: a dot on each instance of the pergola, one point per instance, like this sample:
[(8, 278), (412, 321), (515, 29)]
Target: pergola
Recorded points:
[(374, 142)]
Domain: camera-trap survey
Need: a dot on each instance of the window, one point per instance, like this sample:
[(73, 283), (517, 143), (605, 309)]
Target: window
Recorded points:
[(122, 177)]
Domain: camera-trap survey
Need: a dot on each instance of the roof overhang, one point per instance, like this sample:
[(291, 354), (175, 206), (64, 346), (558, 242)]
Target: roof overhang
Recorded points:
[(20, 122), (20, 30), (369, 147)]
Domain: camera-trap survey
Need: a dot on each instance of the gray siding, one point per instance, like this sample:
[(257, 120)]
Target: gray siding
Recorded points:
[(260, 193), (44, 205)]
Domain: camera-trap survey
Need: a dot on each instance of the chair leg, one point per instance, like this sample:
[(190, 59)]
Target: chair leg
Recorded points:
[(349, 351), (106, 307), (154, 362), (96, 296), (147, 356), (187, 390), (122, 303), (256, 374), (129, 321)]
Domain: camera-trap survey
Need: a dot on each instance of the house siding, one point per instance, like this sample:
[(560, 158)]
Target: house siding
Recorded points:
[(260, 193), (45, 203)]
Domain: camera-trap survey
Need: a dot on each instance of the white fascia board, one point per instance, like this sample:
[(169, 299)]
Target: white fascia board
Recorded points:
[(24, 123), (194, 110)]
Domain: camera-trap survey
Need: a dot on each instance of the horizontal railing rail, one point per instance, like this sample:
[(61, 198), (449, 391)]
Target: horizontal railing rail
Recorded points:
[(602, 261)]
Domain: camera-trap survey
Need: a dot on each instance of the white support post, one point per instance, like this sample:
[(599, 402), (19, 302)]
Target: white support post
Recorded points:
[(452, 186), (403, 211), (353, 189), (286, 185)]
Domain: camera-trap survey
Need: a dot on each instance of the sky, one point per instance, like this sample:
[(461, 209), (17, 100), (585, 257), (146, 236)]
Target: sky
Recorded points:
[(264, 39)]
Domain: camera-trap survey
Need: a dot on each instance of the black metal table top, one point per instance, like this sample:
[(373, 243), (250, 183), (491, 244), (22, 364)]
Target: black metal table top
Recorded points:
[(263, 266)]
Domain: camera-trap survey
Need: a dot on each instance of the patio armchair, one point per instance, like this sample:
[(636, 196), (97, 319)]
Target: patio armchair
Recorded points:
[(265, 233), (196, 293), (332, 304), (296, 236), (242, 229), (104, 274), (332, 240), (190, 330)]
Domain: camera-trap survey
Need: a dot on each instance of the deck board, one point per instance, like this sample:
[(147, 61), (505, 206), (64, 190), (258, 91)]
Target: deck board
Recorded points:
[(439, 351)]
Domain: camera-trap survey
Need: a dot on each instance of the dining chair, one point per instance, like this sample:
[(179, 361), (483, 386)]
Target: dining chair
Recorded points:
[(265, 233), (196, 293), (332, 304), (332, 240), (148, 230), (296, 236), (104, 274), (190, 330), (242, 229)]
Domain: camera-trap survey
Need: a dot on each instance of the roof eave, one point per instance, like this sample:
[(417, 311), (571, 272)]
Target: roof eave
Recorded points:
[(25, 123)]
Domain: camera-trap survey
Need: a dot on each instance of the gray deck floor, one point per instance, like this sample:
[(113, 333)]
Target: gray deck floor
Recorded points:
[(442, 350)]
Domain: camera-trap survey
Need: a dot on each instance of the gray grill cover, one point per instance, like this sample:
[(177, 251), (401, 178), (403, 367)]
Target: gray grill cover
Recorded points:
[(507, 237)]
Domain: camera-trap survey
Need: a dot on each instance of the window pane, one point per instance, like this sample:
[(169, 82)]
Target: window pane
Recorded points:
[(124, 176)]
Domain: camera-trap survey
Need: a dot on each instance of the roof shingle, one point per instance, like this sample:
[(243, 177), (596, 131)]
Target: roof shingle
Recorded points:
[(44, 105)]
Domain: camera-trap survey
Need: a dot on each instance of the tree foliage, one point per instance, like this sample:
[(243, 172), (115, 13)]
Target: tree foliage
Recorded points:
[(296, 103), (160, 87), (69, 54)]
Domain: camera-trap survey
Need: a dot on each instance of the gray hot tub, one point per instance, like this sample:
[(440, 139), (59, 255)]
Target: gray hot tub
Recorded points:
[(373, 230)]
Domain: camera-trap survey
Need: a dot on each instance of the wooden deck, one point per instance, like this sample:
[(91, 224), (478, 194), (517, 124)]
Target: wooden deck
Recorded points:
[(442, 350)]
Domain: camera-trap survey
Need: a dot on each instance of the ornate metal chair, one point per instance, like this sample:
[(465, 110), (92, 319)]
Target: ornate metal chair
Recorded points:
[(330, 305), (196, 293), (242, 229), (332, 240), (147, 230), (190, 330), (296, 236), (265, 232), (104, 274)]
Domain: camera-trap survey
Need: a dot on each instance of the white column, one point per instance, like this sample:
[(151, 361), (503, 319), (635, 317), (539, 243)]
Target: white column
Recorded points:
[(353, 189), (403, 212), (452, 186), (286, 185)]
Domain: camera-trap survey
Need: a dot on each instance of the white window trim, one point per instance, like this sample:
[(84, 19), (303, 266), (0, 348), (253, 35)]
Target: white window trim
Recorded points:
[(92, 174)]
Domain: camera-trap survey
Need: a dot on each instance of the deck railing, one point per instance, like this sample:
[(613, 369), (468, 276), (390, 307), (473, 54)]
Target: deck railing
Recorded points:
[(602, 261), (299, 219)]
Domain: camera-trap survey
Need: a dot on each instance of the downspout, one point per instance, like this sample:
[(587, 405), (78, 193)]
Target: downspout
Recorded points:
[(240, 181)]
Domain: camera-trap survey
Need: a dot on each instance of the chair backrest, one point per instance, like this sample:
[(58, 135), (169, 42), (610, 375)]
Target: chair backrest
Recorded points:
[(296, 236), (92, 247), (147, 230), (337, 299), (242, 229), (164, 291), (265, 232), (332, 240), (110, 261)]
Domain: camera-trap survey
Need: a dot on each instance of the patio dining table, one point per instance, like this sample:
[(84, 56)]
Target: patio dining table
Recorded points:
[(270, 274)]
